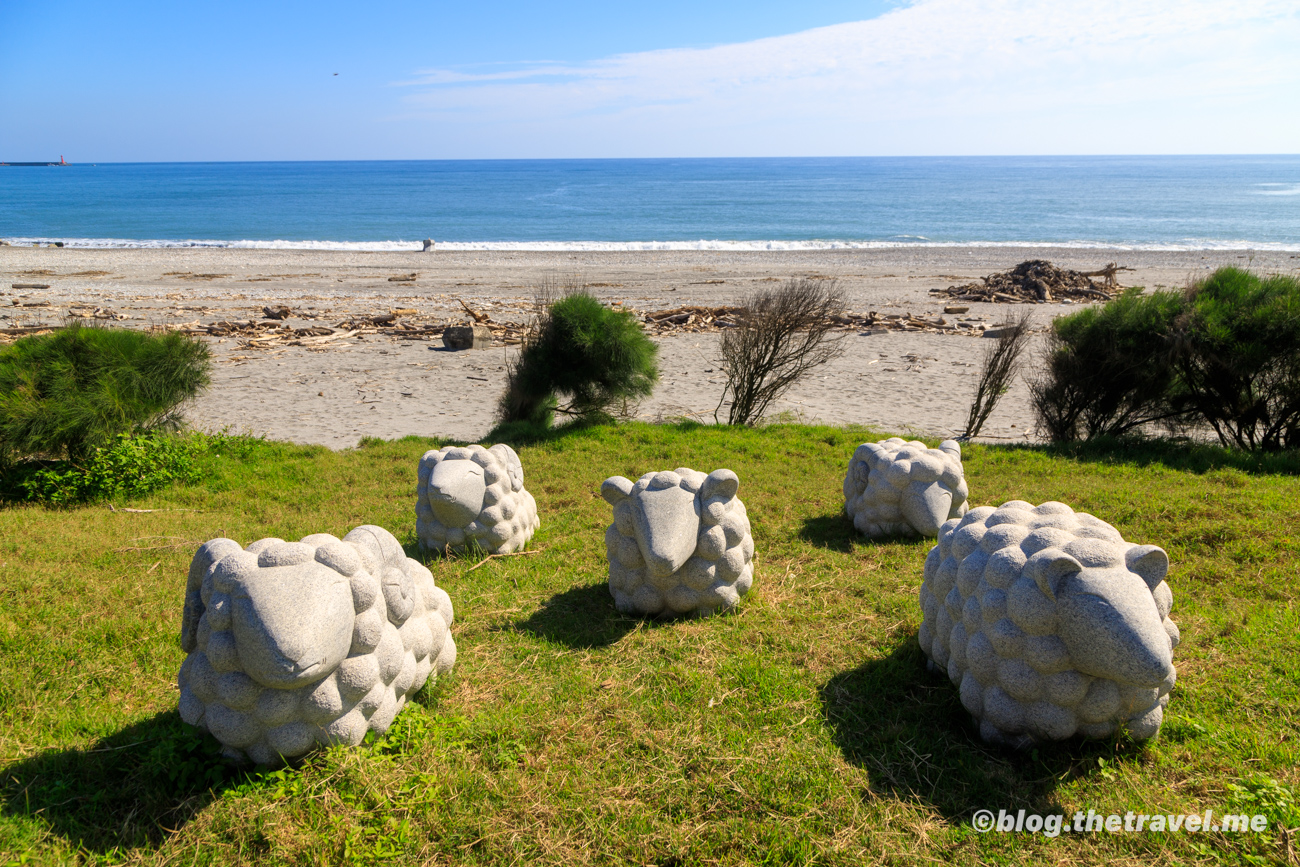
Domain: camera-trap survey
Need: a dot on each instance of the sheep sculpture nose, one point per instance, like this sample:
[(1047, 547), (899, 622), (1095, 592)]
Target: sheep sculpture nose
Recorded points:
[(926, 507), (1112, 627)]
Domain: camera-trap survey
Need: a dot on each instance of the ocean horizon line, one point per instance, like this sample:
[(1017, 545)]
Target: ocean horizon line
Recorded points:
[(718, 245), (217, 162)]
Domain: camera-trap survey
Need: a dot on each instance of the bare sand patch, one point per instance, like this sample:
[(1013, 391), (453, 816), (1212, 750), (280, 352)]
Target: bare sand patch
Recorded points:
[(390, 385)]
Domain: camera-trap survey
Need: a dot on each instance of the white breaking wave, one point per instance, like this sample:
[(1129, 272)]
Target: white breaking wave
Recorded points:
[(1278, 190), (1191, 244)]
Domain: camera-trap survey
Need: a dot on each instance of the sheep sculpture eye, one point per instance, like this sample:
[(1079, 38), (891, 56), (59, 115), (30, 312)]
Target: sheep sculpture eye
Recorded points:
[(1050, 624), (680, 543)]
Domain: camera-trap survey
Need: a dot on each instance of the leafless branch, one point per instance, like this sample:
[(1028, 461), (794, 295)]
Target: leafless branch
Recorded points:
[(1001, 363), (782, 334)]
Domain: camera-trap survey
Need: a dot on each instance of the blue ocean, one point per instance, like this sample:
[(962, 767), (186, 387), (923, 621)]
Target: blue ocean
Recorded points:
[(1154, 203)]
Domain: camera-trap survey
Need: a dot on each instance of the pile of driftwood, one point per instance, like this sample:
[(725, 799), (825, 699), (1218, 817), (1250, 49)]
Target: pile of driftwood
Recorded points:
[(508, 333), (692, 319), (905, 322), (393, 324), (298, 337), (403, 324), (256, 328), (264, 334), (1038, 280), (700, 319), (390, 325), (96, 313)]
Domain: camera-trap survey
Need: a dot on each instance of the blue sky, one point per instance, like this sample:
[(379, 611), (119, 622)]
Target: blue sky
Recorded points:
[(239, 80)]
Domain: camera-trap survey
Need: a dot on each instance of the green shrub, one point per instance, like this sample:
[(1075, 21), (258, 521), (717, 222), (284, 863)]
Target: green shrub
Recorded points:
[(1239, 357), (67, 393), (1109, 370), (594, 358), (1260, 794), (131, 465)]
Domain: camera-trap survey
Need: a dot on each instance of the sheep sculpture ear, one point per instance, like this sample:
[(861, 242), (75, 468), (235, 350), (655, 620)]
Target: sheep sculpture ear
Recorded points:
[(615, 489), (952, 447), (1149, 562), (720, 483), (209, 552), (514, 466), (1049, 568)]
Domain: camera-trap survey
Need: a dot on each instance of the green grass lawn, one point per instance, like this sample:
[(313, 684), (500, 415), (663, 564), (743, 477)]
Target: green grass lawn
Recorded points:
[(803, 728)]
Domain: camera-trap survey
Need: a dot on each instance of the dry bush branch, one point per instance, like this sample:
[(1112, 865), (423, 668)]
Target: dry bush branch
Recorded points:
[(1001, 363), (781, 335)]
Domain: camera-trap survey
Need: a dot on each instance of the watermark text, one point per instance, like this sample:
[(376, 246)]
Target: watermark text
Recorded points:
[(1092, 822)]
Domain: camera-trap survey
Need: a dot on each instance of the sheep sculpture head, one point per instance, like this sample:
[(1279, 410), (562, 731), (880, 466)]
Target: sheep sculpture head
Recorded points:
[(294, 644), (1050, 623), (895, 487), (472, 495), (680, 543)]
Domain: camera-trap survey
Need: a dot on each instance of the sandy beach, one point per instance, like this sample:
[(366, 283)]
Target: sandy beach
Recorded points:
[(341, 389)]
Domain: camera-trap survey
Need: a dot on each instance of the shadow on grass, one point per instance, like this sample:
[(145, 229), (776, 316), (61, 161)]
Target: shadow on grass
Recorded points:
[(908, 729), (523, 433), (837, 533), (130, 790), (583, 617), (833, 532), (1174, 454)]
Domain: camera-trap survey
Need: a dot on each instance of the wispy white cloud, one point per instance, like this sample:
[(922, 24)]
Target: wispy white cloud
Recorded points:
[(938, 76), (529, 71)]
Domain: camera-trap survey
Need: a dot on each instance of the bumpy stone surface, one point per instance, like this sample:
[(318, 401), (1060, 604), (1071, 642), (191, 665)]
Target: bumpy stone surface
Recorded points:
[(474, 495), (1050, 623), (294, 644), (680, 543), (895, 487)]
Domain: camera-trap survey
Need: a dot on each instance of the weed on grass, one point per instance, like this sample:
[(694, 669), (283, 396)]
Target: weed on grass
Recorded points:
[(803, 728)]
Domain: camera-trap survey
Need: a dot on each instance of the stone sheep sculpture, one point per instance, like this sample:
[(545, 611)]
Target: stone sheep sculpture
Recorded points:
[(294, 644), (1050, 623), (895, 487), (680, 543), (474, 495)]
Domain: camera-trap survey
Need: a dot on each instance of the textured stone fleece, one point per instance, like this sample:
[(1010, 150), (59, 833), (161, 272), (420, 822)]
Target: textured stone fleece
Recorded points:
[(901, 488), (471, 495), (295, 644), (697, 516), (1050, 623)]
